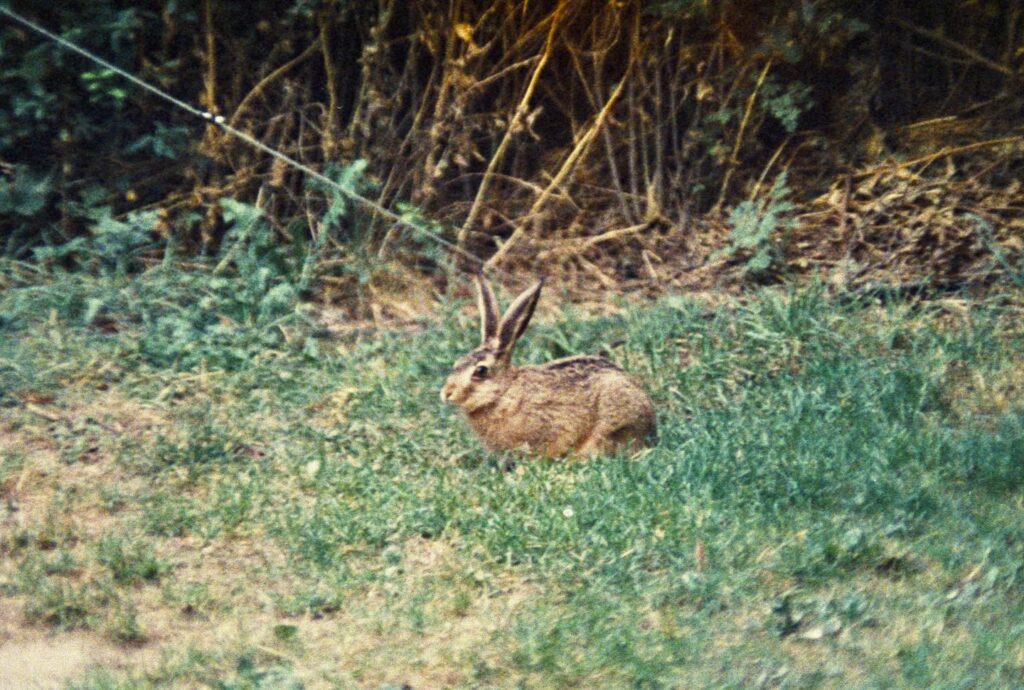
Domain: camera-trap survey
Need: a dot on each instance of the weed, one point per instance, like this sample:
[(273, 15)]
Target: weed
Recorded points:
[(760, 229), (121, 623), (113, 499), (193, 599), (55, 601), (130, 561), (167, 514)]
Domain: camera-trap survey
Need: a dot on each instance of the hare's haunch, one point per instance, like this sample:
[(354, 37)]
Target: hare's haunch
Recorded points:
[(582, 405)]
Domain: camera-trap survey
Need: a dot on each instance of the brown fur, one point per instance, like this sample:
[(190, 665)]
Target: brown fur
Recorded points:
[(577, 405)]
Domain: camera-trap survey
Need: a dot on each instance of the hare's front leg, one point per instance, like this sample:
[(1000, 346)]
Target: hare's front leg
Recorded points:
[(593, 446)]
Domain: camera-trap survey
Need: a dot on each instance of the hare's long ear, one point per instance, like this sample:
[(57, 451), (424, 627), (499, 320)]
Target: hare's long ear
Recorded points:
[(488, 307), (517, 318)]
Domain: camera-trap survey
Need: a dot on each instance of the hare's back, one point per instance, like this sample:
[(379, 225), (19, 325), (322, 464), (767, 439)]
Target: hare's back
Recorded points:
[(579, 367), (597, 382)]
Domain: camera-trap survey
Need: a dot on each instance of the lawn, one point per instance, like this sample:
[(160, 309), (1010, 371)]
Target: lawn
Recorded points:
[(201, 497)]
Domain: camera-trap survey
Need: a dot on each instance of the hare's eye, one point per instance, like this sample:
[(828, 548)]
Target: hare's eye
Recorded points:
[(480, 372)]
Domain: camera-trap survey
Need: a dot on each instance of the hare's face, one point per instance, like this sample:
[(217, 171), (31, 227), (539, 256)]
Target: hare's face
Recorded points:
[(480, 378), (475, 381)]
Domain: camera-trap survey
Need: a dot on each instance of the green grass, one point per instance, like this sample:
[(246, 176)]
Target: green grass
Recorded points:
[(834, 501)]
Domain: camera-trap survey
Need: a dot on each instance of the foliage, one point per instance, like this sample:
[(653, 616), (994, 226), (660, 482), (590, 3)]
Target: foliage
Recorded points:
[(759, 231), (129, 562), (787, 103), (112, 247), (72, 128), (240, 307), (710, 94), (25, 193), (1010, 273)]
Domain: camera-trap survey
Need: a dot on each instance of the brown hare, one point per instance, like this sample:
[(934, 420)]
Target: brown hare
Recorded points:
[(577, 405)]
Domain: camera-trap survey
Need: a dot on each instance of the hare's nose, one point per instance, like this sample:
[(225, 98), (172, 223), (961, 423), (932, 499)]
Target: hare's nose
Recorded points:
[(446, 391)]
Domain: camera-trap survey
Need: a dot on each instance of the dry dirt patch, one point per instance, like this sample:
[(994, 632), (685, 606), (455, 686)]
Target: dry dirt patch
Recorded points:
[(32, 659)]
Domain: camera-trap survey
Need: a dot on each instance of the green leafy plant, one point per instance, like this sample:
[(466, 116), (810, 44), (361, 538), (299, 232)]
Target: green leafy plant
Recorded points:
[(760, 229), (232, 313), (130, 561), (343, 219), (1015, 274), (23, 191), (786, 102), (68, 127)]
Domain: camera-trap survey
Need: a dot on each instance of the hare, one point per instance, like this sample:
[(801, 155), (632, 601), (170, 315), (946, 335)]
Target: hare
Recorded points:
[(577, 405)]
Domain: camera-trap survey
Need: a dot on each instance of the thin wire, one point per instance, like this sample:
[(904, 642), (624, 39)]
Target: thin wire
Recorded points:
[(219, 121)]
